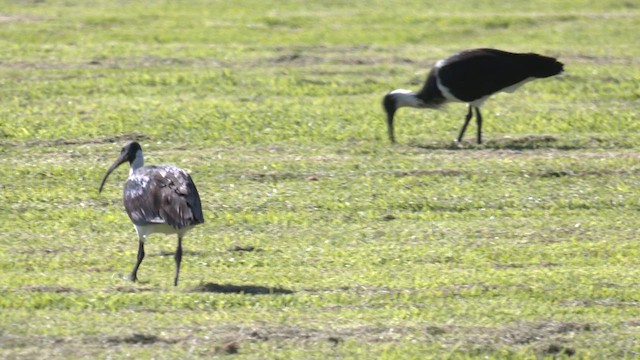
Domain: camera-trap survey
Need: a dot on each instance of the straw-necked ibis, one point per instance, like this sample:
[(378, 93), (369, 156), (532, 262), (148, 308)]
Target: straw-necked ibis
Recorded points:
[(471, 76)]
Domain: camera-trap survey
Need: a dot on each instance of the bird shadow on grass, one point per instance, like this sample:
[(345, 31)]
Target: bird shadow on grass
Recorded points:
[(529, 142), (172, 253), (240, 289)]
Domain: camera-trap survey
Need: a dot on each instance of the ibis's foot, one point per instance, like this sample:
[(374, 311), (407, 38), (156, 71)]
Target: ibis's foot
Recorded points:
[(132, 278)]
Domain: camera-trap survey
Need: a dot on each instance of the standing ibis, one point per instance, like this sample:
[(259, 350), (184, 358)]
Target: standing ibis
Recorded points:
[(471, 76), (158, 199)]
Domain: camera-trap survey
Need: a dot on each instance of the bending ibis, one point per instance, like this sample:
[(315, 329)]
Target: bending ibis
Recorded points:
[(471, 76), (158, 199)]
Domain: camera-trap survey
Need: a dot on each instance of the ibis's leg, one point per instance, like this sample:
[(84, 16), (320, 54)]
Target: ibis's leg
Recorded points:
[(466, 122), (178, 258), (392, 137), (479, 122), (134, 273)]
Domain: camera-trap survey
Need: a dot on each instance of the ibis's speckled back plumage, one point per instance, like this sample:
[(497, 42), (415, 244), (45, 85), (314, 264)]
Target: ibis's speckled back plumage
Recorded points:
[(162, 194)]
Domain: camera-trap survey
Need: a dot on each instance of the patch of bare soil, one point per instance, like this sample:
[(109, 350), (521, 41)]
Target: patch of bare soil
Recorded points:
[(128, 289), (375, 60), (369, 333), (529, 142), (435, 172), (322, 49), (294, 60), (172, 253), (602, 302), (49, 289), (46, 251), (277, 176), (142, 339), (241, 289), (604, 172), (133, 136), (525, 333), (361, 290), (550, 338), (151, 61), (18, 18), (333, 55), (115, 63), (525, 142)]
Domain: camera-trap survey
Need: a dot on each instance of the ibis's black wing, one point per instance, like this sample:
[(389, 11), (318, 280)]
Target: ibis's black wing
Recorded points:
[(472, 74), (162, 194)]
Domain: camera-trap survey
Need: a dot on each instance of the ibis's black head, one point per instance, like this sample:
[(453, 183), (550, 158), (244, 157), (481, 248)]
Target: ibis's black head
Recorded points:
[(127, 154), (390, 105)]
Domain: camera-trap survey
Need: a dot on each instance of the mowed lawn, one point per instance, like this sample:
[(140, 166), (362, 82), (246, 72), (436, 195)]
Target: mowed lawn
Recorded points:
[(321, 239)]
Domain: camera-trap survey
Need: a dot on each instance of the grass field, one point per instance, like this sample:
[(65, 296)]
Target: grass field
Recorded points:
[(321, 239)]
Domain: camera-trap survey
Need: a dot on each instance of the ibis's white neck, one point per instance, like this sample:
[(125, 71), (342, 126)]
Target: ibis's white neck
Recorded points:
[(407, 98), (137, 163)]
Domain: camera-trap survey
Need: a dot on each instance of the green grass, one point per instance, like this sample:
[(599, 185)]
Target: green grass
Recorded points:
[(321, 240)]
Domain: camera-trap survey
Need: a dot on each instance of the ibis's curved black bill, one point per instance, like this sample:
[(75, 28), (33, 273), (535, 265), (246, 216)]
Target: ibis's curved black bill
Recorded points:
[(127, 154), (121, 160)]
